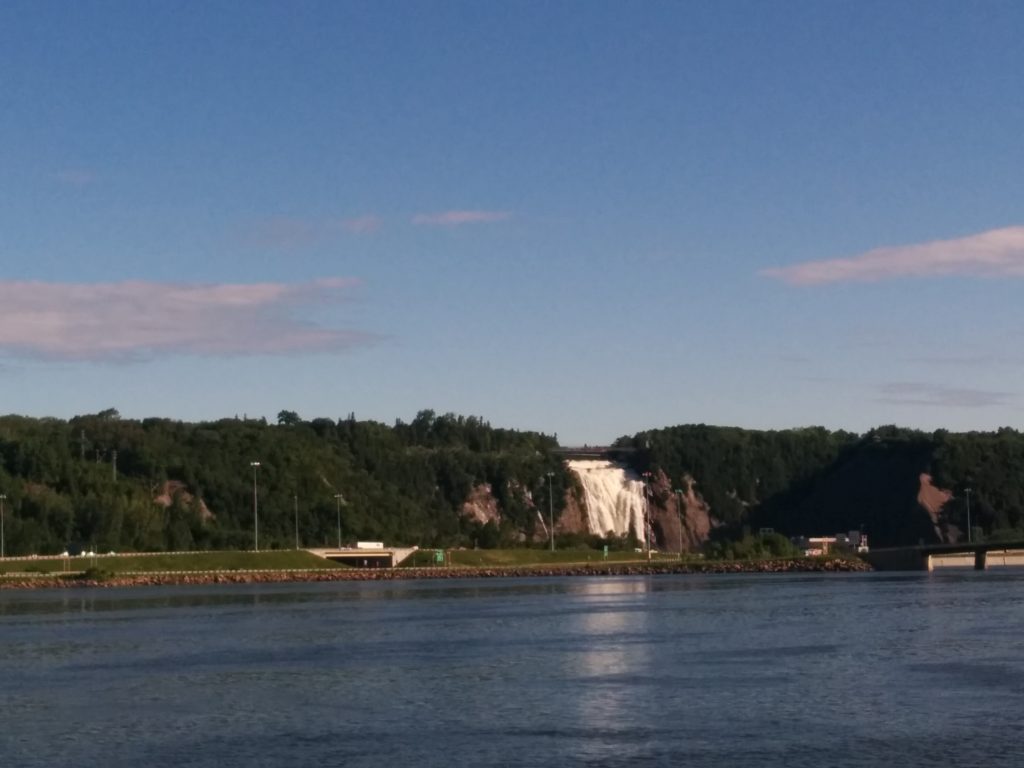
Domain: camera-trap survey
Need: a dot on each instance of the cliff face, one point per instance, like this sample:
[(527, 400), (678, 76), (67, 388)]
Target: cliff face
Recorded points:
[(166, 493), (481, 505), (687, 524), (882, 490), (574, 514), (933, 500)]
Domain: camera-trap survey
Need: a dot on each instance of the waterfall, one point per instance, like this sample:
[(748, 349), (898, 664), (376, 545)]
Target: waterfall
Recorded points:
[(614, 497)]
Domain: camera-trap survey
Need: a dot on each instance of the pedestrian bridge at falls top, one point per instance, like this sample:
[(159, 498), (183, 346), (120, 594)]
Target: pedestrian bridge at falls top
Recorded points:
[(609, 452), (932, 557)]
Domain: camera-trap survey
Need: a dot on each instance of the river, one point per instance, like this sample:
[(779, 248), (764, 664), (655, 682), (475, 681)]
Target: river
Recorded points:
[(745, 670)]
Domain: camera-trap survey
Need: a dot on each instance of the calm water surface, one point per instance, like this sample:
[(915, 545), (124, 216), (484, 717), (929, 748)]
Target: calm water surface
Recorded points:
[(837, 670)]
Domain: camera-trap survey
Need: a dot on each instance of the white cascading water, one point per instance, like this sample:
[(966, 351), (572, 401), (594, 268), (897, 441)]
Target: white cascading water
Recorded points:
[(614, 496)]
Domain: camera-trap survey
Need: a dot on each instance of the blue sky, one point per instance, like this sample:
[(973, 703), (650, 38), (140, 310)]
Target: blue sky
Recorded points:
[(583, 218)]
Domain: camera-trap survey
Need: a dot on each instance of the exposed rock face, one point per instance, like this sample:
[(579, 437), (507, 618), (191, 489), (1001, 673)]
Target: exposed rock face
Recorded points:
[(933, 500), (481, 505), (165, 494), (574, 514), (695, 521)]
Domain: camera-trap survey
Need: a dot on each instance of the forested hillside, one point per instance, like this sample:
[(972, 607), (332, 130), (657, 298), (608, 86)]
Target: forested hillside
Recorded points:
[(98, 480), (813, 481), (108, 483)]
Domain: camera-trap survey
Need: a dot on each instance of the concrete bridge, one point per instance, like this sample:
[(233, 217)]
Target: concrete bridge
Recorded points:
[(931, 557), (365, 557), (592, 451)]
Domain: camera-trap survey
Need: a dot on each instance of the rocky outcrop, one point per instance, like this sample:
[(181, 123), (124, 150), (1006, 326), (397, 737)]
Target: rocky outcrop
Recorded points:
[(933, 500), (165, 494), (688, 522), (481, 506), (574, 514)]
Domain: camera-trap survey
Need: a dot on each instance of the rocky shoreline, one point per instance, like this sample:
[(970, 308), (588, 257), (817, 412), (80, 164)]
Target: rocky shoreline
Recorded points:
[(402, 574)]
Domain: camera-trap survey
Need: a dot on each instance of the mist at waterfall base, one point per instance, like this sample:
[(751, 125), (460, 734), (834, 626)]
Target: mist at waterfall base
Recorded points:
[(613, 495), (800, 671)]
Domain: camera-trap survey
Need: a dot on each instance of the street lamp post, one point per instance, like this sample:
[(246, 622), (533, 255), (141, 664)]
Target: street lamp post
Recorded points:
[(679, 505), (3, 498), (551, 512), (647, 513), (255, 508), (341, 500), (967, 493)]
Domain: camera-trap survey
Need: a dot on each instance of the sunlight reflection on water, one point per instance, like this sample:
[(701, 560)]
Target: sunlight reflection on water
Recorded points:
[(912, 670)]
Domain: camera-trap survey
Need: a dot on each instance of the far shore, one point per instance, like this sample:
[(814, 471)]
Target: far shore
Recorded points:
[(800, 565)]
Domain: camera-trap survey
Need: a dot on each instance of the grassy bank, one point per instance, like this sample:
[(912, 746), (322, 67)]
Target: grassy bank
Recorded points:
[(286, 560), (587, 570), (185, 561), (506, 557)]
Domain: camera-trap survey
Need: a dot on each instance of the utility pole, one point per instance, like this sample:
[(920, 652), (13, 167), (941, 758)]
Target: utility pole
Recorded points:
[(551, 512), (3, 498), (341, 500), (679, 505), (967, 493), (296, 521), (113, 464), (255, 508), (647, 514)]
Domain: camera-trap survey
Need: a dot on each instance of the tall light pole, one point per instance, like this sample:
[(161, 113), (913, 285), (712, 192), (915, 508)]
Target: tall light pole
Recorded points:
[(255, 508), (3, 498), (647, 514), (551, 512), (296, 497), (679, 506), (341, 500), (967, 493)]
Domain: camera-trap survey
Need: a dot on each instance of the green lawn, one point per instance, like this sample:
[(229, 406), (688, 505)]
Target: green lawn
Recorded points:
[(290, 559), (191, 561), (498, 557)]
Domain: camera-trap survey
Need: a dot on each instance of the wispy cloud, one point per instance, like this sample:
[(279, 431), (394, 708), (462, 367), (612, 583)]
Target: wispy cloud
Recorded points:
[(458, 218), (284, 233), (293, 233), (140, 319), (923, 393), (995, 253), (75, 177), (362, 225), (1004, 359)]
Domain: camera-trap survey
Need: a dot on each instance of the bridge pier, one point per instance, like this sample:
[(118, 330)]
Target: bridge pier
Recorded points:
[(931, 557)]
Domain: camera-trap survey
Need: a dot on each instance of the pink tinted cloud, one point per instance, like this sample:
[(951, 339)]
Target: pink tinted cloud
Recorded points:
[(458, 218), (284, 233), (293, 233), (140, 319), (362, 225), (75, 177), (995, 253)]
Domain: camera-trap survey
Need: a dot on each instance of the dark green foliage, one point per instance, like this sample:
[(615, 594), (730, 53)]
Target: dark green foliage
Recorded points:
[(404, 484), (736, 469), (816, 482), (763, 546)]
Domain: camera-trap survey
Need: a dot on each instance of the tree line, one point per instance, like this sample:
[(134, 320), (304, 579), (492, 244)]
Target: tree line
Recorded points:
[(813, 481), (107, 483), (95, 481)]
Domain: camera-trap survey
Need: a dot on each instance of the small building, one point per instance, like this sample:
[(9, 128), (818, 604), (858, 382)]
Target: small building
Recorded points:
[(819, 546)]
